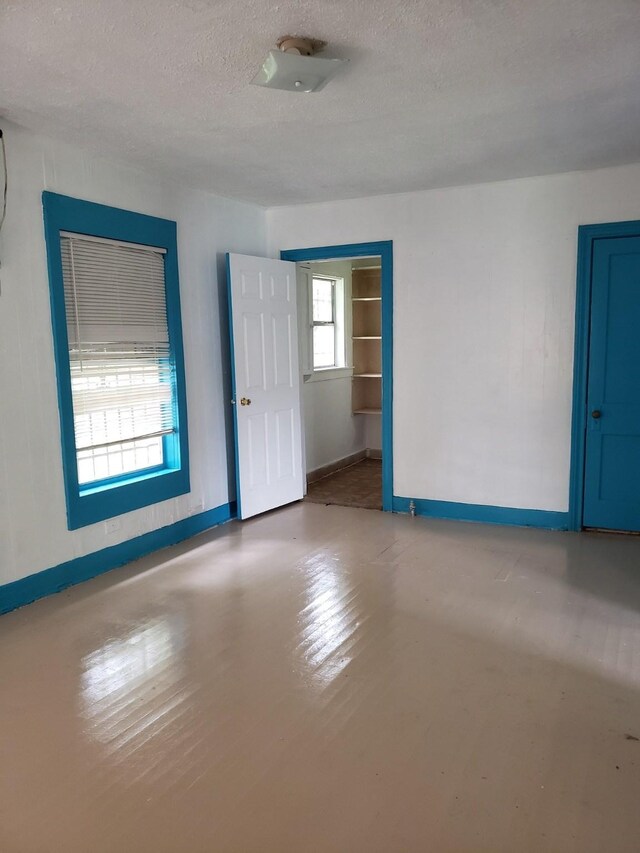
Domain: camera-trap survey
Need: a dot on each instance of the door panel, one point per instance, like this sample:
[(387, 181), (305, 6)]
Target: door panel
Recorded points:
[(284, 438), (282, 354), (253, 340), (262, 294), (257, 450), (612, 464)]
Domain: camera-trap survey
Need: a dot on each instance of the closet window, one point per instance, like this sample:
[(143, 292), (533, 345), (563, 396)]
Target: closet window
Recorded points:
[(323, 322)]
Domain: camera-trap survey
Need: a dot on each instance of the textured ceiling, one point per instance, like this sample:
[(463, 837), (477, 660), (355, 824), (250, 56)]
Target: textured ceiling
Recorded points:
[(437, 93)]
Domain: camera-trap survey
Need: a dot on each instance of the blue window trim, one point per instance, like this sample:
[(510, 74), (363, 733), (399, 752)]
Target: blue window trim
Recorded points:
[(587, 235), (97, 502), (383, 248)]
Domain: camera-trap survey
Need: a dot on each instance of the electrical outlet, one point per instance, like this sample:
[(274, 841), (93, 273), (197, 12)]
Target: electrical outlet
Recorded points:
[(112, 524), (194, 509)]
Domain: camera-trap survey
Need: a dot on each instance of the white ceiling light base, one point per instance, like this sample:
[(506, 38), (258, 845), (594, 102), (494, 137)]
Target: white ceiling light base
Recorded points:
[(303, 46), (294, 69)]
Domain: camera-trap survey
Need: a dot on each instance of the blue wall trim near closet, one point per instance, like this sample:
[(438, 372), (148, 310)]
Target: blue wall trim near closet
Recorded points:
[(485, 514), (383, 248), (52, 580)]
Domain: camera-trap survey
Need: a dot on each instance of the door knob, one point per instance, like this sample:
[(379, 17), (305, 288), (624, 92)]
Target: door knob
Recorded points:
[(245, 401), (595, 414)]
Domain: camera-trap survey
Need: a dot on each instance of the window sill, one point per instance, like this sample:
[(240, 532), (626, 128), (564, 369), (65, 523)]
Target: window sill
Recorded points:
[(329, 373), (124, 480), (88, 507)]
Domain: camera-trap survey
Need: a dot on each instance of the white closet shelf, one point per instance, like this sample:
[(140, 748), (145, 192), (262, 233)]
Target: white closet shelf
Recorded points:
[(367, 376), (366, 299)]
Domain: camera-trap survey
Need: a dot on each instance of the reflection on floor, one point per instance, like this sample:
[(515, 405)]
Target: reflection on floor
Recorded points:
[(332, 680), (358, 485)]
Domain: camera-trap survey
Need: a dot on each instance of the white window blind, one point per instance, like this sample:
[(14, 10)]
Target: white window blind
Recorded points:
[(121, 376)]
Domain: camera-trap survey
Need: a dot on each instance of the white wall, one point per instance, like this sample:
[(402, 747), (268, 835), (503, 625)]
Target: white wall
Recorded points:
[(331, 431), (484, 298), (33, 530), (373, 432)]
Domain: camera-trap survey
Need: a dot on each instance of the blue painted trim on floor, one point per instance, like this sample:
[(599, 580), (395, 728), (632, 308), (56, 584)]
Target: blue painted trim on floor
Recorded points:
[(587, 234), (484, 514), (53, 580), (383, 248)]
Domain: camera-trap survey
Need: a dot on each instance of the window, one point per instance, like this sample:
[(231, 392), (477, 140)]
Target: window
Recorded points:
[(121, 391), (325, 313), (117, 337), (323, 322)]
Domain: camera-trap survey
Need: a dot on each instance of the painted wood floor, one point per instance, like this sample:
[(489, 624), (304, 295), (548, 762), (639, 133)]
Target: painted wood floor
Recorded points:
[(332, 680)]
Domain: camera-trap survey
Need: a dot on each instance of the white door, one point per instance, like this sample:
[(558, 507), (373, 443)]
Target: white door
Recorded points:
[(266, 383)]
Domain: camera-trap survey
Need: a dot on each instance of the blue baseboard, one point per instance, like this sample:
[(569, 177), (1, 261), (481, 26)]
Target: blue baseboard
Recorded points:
[(485, 514), (53, 580)]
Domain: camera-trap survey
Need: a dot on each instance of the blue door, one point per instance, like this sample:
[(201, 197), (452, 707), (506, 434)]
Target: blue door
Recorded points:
[(612, 463)]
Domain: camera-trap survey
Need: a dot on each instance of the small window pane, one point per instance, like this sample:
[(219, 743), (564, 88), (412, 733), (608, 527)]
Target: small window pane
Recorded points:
[(97, 463), (324, 346), (322, 300)]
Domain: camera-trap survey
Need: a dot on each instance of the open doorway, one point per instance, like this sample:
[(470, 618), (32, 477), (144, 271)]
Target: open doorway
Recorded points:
[(344, 312)]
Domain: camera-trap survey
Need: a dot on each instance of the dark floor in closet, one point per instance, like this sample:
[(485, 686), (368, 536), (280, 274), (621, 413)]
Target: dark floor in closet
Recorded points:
[(358, 485)]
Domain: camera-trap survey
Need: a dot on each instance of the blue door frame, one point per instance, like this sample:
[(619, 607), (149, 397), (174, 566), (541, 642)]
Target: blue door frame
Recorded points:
[(383, 249), (587, 235)]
